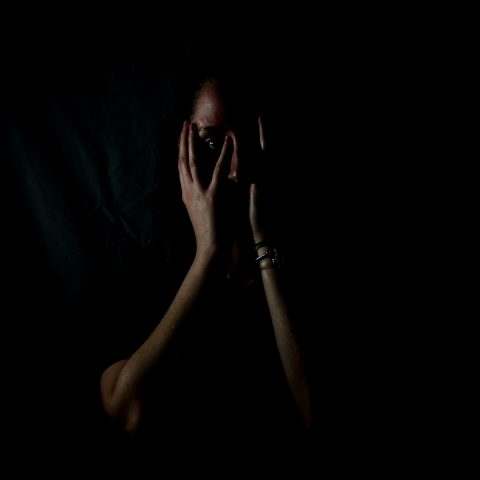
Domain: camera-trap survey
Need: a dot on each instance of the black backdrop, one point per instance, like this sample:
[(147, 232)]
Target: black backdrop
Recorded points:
[(89, 125)]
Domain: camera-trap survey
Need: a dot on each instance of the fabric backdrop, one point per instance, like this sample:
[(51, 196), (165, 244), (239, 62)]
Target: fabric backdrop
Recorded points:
[(91, 212)]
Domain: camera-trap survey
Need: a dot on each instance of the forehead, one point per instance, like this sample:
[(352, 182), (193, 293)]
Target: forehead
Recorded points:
[(209, 106)]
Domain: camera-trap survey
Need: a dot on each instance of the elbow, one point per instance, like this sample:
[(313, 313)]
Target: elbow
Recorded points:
[(127, 414), (131, 420), (306, 406), (309, 423), (308, 418), (120, 404)]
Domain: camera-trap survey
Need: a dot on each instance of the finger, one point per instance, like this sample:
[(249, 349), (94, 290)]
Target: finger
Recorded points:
[(182, 184), (261, 132), (192, 161), (183, 166), (221, 162)]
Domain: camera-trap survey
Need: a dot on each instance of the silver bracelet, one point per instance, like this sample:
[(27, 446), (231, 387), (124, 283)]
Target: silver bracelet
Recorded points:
[(273, 254)]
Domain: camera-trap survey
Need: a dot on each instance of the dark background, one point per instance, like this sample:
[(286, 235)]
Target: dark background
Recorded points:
[(89, 126)]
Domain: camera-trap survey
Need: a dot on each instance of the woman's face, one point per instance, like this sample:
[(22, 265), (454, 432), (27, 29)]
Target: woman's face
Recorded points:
[(216, 118)]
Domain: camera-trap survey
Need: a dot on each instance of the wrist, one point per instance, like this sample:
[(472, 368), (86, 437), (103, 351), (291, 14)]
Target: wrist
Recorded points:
[(262, 246), (267, 257), (206, 255), (259, 235)]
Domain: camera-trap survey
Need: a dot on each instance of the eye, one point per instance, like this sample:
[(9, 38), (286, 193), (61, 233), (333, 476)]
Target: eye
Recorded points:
[(214, 144)]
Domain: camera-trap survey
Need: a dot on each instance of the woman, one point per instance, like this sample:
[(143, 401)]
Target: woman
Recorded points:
[(213, 361)]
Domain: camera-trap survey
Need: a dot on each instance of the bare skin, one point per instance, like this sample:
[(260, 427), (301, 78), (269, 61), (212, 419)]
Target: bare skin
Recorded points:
[(121, 383)]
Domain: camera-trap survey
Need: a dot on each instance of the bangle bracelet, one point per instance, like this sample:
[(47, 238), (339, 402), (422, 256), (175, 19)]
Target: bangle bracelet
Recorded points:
[(260, 245), (273, 254)]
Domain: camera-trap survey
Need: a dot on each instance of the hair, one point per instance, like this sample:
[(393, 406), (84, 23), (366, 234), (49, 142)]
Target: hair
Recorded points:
[(240, 90)]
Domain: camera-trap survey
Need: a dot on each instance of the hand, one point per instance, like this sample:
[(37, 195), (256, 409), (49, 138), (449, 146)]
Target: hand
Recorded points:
[(202, 202)]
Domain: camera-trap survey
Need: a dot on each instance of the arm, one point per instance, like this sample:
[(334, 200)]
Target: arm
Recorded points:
[(287, 342), (121, 383)]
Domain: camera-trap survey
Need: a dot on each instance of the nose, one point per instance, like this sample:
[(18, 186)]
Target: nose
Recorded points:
[(233, 173)]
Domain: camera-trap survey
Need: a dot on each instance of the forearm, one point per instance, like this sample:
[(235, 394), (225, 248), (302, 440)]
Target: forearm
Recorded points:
[(287, 341), (122, 382)]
